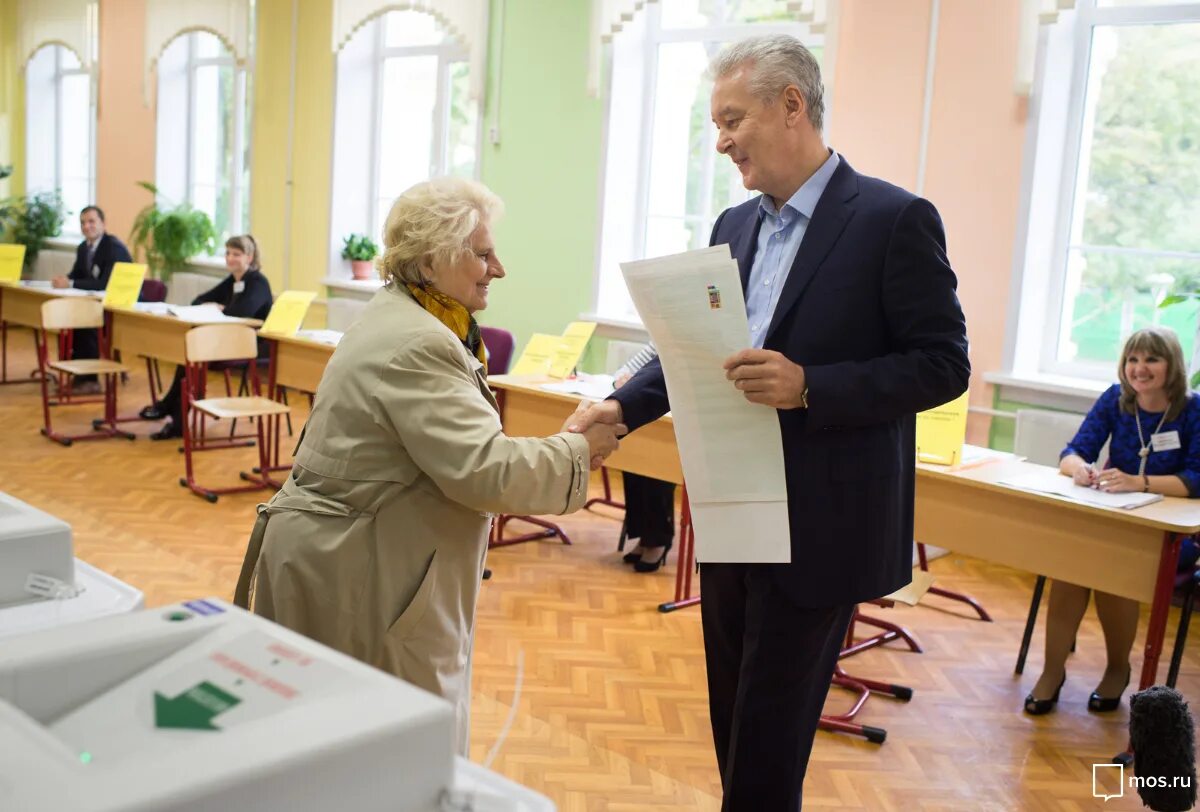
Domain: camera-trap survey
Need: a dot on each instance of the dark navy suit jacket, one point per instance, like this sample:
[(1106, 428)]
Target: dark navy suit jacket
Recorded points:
[(109, 251), (869, 310)]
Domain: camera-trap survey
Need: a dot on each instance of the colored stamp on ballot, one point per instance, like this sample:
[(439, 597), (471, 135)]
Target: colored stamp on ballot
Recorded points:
[(714, 297)]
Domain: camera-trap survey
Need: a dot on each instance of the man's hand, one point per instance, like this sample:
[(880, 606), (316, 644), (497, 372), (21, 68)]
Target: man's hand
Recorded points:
[(621, 380), (587, 415), (60, 282), (767, 377)]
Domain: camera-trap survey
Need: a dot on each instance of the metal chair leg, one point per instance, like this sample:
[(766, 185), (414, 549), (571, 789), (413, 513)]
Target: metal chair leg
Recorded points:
[(1030, 622), (1185, 617)]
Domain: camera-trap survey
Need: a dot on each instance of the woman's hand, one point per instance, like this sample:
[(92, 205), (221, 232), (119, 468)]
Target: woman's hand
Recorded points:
[(1113, 481), (1085, 476)]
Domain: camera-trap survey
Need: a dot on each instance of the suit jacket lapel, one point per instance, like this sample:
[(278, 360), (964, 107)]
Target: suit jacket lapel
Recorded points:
[(834, 210), (744, 248)]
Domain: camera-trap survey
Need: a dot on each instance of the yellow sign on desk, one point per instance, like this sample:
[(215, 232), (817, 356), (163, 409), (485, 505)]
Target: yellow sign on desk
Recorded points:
[(287, 314), (538, 354), (942, 431), (124, 285), (570, 349), (12, 258)]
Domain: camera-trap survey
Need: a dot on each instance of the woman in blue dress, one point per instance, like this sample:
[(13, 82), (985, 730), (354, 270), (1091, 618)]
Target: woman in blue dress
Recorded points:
[(1153, 421)]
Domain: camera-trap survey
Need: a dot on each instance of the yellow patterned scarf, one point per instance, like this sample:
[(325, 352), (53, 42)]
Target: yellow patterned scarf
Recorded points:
[(452, 314)]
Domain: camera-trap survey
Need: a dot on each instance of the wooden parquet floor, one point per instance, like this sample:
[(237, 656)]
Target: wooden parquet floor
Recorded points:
[(612, 710)]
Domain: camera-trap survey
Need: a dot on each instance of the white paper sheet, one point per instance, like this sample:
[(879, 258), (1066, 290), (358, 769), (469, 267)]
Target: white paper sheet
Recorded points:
[(1052, 482), (330, 337), (199, 314), (731, 449), (157, 308), (596, 387)]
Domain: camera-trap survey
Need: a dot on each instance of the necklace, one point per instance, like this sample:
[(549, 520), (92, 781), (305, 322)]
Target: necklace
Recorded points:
[(1144, 451)]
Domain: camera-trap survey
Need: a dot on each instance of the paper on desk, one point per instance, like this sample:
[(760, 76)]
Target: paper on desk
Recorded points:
[(596, 387), (199, 314), (732, 454), (1051, 482), (330, 337), (157, 308)]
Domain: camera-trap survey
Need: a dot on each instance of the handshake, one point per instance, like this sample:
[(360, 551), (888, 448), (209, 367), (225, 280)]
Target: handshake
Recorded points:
[(600, 424)]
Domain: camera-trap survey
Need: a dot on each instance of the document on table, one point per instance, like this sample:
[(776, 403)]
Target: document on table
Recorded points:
[(1053, 483), (330, 337), (731, 450), (597, 387), (199, 314)]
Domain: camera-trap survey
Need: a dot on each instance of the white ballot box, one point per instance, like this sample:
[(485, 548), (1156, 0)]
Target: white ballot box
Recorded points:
[(36, 545), (203, 706), (31, 542)]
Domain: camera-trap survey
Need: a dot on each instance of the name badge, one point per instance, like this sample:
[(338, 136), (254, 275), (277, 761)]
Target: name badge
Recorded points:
[(238, 287), (1165, 441)]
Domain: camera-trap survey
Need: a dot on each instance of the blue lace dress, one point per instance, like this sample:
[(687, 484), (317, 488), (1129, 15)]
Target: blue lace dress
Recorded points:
[(1106, 420)]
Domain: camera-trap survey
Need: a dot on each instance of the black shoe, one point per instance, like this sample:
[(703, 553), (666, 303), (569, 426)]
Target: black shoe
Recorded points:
[(168, 432), (154, 411), (651, 566), (1038, 707), (630, 558), (1104, 704)]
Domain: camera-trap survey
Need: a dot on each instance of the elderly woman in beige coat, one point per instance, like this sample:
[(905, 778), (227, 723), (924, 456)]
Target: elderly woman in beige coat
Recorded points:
[(375, 545)]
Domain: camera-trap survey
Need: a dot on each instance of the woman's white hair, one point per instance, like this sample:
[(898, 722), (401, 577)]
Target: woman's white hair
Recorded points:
[(431, 224), (776, 61)]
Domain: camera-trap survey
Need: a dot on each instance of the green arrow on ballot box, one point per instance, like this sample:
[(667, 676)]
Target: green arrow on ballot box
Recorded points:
[(193, 709)]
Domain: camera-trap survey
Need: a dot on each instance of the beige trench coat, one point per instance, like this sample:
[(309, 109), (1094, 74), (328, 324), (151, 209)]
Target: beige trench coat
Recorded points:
[(376, 543)]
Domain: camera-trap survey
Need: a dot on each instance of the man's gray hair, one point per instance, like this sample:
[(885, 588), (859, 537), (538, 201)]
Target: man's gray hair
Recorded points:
[(776, 61)]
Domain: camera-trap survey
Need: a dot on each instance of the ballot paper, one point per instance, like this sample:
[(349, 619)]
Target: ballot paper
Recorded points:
[(596, 387), (1051, 482), (731, 449), (330, 337), (199, 314)]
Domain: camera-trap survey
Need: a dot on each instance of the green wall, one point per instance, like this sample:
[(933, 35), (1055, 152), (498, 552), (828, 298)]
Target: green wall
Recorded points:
[(547, 166)]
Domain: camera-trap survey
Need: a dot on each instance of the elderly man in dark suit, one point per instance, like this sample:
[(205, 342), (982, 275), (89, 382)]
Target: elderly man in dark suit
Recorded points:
[(94, 260), (855, 327)]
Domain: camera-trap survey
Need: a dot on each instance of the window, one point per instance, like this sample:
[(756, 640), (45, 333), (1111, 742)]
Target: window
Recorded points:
[(203, 131), (403, 115), (664, 182), (1120, 110), (60, 118)]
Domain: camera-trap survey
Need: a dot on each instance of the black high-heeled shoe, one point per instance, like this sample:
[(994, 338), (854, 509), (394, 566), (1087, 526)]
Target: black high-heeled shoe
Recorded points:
[(153, 412), (629, 558), (1038, 707), (1105, 704), (651, 566)]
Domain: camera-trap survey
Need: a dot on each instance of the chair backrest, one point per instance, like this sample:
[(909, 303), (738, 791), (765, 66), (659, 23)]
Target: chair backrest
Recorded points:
[(221, 342), (153, 290), (499, 345), (1041, 436), (71, 313)]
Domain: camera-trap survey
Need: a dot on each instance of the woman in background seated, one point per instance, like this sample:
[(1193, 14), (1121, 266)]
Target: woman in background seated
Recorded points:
[(649, 503), (1154, 423), (246, 294)]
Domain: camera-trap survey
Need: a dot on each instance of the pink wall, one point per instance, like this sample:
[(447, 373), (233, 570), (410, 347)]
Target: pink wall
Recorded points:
[(976, 135), (125, 124)]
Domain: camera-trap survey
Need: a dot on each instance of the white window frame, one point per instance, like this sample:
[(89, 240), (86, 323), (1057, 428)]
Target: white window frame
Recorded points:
[(654, 36), (240, 80), (70, 224), (363, 220), (1051, 184)]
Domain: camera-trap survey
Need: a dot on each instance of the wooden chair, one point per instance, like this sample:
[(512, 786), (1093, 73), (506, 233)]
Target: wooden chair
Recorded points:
[(224, 342), (63, 315)]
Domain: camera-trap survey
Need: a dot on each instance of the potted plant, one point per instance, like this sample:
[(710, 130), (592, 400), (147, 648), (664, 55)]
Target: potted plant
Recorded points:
[(29, 221), (5, 170), (169, 237), (360, 250)]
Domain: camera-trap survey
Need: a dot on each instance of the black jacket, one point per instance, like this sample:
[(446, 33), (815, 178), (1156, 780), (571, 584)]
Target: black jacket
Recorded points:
[(109, 251), (869, 310)]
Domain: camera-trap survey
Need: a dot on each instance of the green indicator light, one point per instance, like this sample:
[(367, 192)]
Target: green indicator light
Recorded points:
[(85, 757)]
